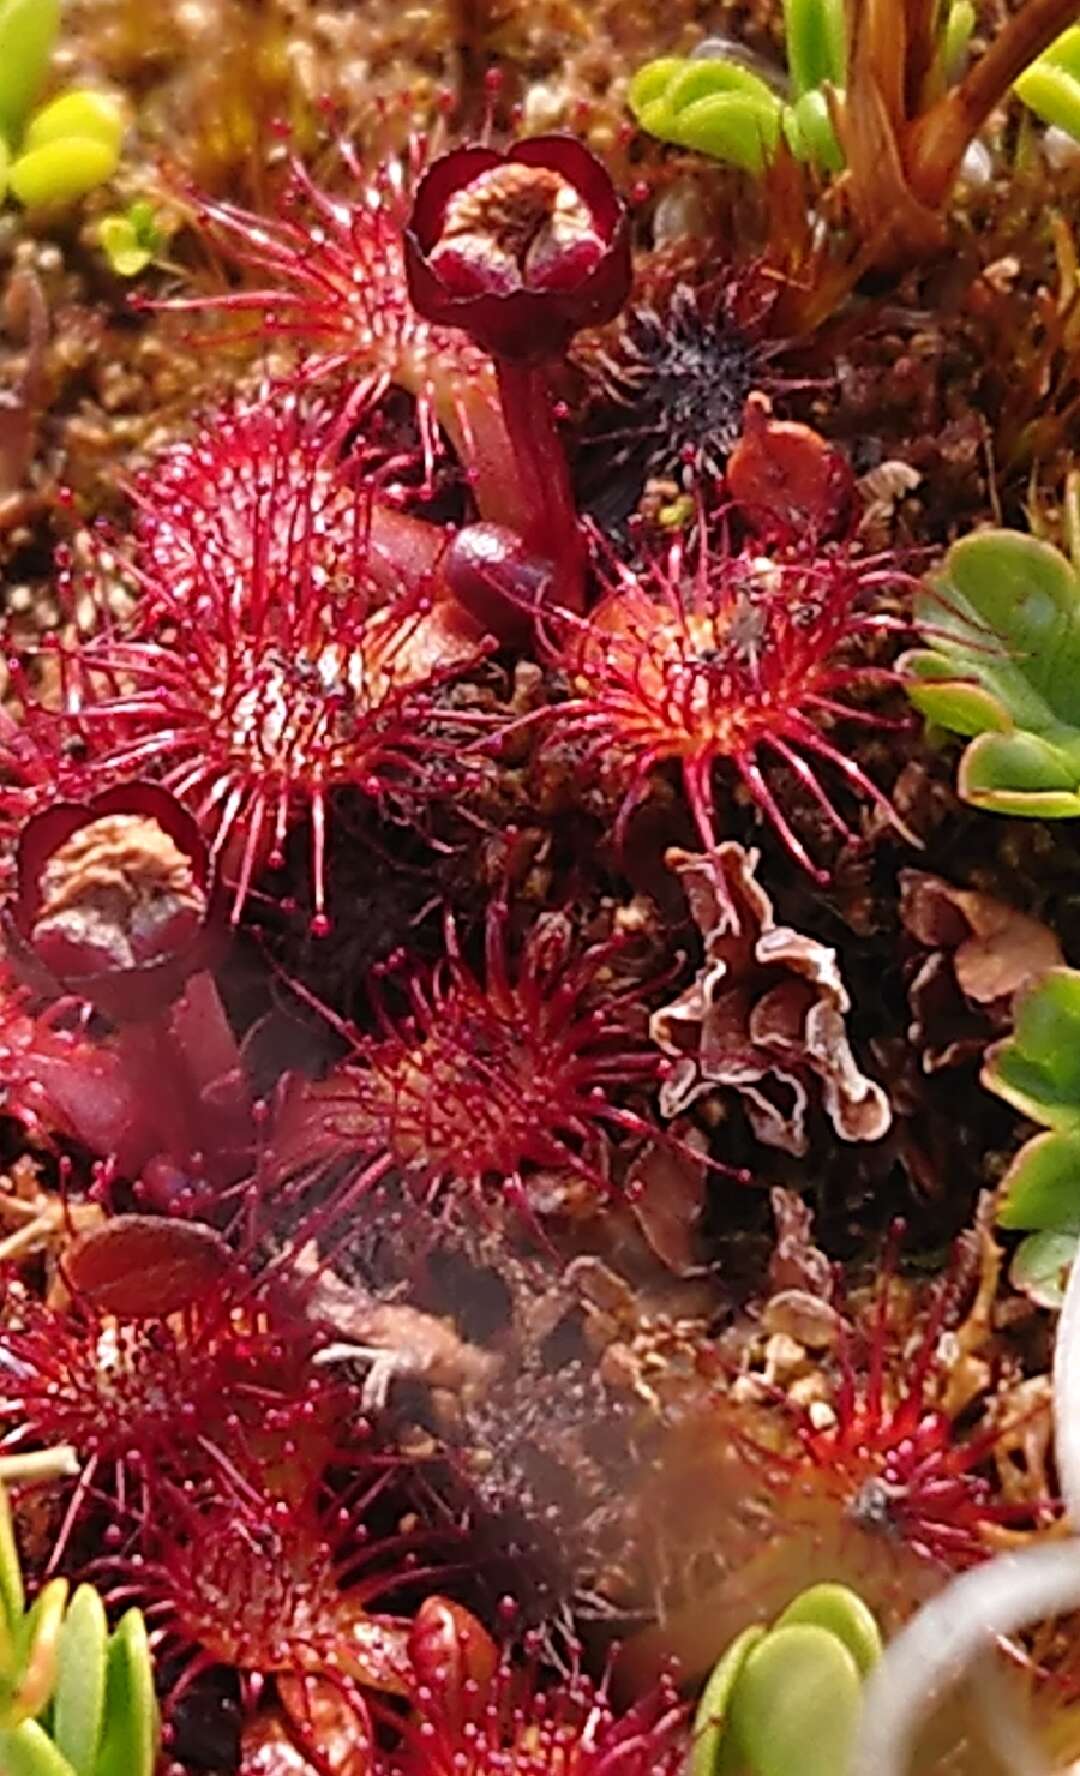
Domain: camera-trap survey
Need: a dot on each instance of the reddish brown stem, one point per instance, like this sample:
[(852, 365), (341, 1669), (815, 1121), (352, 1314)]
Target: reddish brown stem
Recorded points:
[(552, 530), (937, 142)]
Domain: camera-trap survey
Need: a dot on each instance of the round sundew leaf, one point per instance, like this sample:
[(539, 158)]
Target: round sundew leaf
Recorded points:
[(1041, 1189), (796, 1705), (843, 1613), (711, 1719), (1041, 1264), (61, 172), (79, 1697), (145, 1267), (28, 32), (27, 1750), (131, 1733), (96, 115)]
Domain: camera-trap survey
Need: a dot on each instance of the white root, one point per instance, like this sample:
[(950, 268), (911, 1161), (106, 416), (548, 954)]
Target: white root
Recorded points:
[(944, 1639), (1067, 1398)]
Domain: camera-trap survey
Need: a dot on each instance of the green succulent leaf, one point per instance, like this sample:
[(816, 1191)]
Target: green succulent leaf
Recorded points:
[(132, 1728), (1037, 1068), (28, 33), (1001, 624), (1051, 85), (816, 33), (796, 1704), (82, 113), (732, 127), (651, 82), (27, 1750), (714, 78), (1041, 1189), (1023, 773), (39, 1653), (79, 1698), (121, 246), (712, 1740), (959, 26), (844, 1614), (132, 240), (808, 128), (1041, 1264), (61, 172), (12, 1596), (712, 106)]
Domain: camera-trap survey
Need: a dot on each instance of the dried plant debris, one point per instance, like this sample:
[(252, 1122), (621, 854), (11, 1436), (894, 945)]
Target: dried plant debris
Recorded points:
[(765, 1016)]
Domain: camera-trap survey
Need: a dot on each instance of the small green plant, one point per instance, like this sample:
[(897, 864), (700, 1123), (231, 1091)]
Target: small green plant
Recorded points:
[(720, 108), (1051, 85), (75, 1700), (134, 238), (59, 152), (1002, 665), (1037, 1070), (789, 1697)]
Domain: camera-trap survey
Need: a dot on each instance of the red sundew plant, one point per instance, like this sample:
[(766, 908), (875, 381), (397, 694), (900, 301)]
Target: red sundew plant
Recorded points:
[(888, 1478), (289, 640), (328, 273), (247, 1577), (895, 1462), (153, 1397), (478, 1715), (725, 661), (485, 1078)]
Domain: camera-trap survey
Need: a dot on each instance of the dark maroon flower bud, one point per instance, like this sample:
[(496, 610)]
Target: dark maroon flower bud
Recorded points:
[(521, 250), (114, 901), (490, 573)]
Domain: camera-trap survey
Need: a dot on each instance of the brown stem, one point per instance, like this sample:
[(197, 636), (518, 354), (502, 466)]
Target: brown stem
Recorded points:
[(937, 142)]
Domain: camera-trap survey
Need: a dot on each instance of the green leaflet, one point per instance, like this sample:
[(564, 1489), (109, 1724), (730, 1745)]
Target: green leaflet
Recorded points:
[(788, 1697), (1051, 86), (1001, 665)]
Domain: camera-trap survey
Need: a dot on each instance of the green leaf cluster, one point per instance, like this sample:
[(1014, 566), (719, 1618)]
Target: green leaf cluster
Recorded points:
[(1051, 85), (1002, 664), (788, 1697), (58, 152), (75, 1700), (1037, 1070), (722, 109), (132, 239)]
